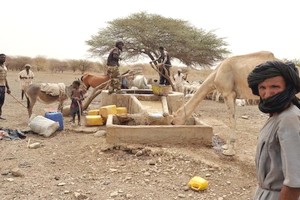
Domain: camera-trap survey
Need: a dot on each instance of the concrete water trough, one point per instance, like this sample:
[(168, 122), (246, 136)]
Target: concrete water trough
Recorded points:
[(148, 118)]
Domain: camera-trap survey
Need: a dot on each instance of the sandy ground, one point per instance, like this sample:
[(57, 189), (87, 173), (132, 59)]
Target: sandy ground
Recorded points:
[(81, 165)]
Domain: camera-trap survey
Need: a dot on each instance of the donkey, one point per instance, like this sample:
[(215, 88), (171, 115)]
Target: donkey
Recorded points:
[(47, 93)]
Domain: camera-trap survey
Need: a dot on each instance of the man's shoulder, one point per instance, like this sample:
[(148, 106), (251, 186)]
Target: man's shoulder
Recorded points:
[(114, 49), (3, 66), (291, 112)]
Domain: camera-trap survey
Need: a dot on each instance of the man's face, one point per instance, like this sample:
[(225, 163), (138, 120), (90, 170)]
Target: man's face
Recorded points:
[(120, 46), (2, 59), (271, 86), (75, 85)]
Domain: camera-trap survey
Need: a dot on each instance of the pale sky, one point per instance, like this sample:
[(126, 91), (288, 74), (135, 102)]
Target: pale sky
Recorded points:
[(59, 28)]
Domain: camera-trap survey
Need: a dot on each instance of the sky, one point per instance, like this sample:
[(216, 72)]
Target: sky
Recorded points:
[(59, 28)]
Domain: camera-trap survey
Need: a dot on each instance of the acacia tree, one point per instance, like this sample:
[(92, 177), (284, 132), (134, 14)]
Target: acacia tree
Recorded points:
[(143, 33)]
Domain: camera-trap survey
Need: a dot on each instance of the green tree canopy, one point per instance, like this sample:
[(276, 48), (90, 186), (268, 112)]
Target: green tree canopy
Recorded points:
[(143, 33)]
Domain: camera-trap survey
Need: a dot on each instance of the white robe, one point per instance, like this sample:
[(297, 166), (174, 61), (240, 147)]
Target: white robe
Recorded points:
[(179, 80), (26, 79)]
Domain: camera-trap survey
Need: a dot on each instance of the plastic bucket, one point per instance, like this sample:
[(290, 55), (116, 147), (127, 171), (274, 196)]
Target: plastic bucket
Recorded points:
[(57, 117), (161, 90)]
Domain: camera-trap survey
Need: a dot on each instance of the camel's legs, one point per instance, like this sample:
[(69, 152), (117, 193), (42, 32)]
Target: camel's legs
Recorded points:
[(229, 102)]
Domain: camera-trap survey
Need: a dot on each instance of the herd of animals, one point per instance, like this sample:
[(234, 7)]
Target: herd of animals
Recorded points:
[(227, 82)]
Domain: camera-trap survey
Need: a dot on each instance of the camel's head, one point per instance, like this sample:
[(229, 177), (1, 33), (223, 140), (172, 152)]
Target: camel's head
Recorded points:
[(169, 119)]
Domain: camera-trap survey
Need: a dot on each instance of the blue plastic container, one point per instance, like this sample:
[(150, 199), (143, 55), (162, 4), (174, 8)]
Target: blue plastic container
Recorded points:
[(57, 117)]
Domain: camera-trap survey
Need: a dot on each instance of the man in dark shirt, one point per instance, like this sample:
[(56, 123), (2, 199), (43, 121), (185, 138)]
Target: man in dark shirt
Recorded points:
[(165, 64), (113, 67)]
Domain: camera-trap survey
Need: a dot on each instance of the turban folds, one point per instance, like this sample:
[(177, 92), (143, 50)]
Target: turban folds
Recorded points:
[(269, 69)]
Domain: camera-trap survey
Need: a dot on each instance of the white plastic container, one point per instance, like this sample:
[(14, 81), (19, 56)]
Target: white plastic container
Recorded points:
[(43, 126)]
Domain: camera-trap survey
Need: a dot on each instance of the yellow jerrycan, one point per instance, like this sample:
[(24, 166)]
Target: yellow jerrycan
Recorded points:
[(197, 183)]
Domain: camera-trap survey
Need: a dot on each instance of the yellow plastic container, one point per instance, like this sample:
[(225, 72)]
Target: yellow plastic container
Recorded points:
[(197, 183), (104, 111), (93, 120), (121, 110), (93, 112), (161, 90)]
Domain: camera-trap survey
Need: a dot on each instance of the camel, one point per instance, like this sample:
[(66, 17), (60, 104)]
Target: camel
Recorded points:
[(46, 93), (230, 79), (93, 80), (99, 82), (139, 82)]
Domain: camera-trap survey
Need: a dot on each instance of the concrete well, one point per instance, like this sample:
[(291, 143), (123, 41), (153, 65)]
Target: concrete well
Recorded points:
[(133, 99), (157, 129), (197, 133)]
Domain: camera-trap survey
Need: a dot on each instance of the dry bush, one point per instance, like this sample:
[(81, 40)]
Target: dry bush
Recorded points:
[(16, 63)]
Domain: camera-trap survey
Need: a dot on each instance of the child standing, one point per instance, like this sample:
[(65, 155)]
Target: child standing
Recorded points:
[(76, 104)]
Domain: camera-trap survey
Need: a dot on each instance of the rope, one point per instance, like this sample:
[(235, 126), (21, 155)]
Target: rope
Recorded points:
[(75, 114), (160, 73), (18, 101), (79, 109)]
